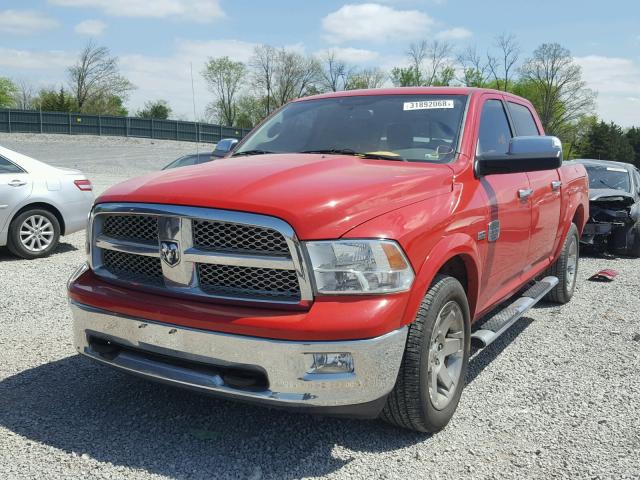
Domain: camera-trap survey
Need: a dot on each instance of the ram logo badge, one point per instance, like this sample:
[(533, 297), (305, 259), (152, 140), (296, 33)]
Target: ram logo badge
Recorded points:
[(170, 253)]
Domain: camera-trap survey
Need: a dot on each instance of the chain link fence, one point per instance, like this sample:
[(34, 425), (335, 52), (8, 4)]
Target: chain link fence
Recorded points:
[(33, 121)]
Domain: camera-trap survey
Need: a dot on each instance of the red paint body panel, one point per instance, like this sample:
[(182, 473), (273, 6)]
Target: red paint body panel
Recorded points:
[(434, 211)]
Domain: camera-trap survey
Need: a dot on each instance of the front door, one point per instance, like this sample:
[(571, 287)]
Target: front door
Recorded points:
[(505, 241)]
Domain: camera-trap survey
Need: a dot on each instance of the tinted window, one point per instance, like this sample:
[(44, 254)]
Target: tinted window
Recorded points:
[(495, 132), (523, 121), (609, 177), (7, 167), (411, 127)]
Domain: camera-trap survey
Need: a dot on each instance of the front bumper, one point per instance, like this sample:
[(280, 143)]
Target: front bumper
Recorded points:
[(188, 357)]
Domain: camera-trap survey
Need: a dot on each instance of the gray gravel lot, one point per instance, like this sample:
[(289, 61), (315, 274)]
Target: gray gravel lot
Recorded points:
[(557, 397)]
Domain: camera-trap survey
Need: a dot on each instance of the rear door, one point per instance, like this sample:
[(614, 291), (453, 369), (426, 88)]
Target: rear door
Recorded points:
[(506, 238), (15, 187), (545, 193)]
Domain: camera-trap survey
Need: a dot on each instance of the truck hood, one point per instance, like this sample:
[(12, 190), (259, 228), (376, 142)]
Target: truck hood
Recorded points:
[(320, 196), (606, 194)]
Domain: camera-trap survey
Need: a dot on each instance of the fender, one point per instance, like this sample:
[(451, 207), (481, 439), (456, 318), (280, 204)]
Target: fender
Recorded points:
[(450, 246), (574, 198)]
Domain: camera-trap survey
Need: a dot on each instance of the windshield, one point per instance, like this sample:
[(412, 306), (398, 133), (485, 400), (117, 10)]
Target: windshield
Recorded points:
[(609, 177), (393, 127)]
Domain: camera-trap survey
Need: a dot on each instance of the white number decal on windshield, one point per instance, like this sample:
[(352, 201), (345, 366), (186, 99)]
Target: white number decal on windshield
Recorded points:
[(428, 104)]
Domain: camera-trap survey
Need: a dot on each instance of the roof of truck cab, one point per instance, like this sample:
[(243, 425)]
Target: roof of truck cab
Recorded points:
[(409, 91)]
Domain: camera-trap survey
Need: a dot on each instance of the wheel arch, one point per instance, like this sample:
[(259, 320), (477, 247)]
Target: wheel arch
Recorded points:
[(456, 255), (42, 206)]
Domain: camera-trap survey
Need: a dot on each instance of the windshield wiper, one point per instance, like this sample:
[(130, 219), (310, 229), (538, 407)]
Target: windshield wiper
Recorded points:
[(251, 152), (348, 151)]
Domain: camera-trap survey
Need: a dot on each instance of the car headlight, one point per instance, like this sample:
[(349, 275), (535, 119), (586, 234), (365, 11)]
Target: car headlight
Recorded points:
[(359, 267)]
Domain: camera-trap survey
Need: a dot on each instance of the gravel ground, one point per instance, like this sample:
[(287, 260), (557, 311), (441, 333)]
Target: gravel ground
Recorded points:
[(558, 396)]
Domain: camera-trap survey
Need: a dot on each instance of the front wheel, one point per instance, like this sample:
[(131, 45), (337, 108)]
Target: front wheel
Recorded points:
[(434, 366), (565, 268)]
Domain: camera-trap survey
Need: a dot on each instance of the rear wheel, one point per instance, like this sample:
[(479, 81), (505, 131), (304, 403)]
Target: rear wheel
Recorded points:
[(565, 268), (33, 234), (434, 366)]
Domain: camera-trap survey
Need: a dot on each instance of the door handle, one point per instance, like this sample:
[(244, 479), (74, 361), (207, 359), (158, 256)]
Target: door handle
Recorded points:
[(524, 193), (17, 183), (555, 185)]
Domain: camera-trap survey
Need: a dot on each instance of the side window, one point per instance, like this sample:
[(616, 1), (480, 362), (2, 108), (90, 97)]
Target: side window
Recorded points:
[(495, 132), (523, 120), (636, 174), (7, 167)]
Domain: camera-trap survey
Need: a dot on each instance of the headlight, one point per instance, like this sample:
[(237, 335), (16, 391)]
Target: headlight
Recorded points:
[(359, 267)]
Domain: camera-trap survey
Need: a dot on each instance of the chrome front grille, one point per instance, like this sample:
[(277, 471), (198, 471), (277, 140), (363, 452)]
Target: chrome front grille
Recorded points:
[(134, 227), (134, 268), (248, 281), (241, 238), (206, 253)]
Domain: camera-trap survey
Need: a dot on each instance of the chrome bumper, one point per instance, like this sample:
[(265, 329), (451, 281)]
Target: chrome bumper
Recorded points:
[(376, 361)]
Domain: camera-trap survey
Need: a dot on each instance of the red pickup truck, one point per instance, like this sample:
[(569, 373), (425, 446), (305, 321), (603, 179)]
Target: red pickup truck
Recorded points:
[(342, 258)]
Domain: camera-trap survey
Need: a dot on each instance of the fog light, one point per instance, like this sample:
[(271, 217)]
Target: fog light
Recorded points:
[(330, 363)]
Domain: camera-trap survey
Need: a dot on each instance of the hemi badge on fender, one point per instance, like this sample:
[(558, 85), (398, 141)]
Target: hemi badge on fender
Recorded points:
[(482, 235), (494, 231)]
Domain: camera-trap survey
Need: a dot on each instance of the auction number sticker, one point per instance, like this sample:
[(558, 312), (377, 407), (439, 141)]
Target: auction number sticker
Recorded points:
[(428, 104)]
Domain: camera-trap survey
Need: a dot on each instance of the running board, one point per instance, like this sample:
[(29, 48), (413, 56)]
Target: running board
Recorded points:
[(499, 323)]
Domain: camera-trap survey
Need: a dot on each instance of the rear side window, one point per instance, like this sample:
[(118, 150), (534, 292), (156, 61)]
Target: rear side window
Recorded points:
[(7, 167), (523, 120), (495, 132)]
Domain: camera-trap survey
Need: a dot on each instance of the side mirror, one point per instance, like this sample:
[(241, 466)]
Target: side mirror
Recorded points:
[(526, 154), (226, 145)]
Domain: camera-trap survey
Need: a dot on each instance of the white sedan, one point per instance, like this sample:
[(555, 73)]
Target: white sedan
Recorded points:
[(39, 203)]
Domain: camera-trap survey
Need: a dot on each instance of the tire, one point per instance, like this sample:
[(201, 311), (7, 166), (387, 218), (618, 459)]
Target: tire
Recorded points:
[(565, 268), (411, 403), (47, 234)]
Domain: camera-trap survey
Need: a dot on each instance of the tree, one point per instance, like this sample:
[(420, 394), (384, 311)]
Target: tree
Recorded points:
[(428, 65), (295, 76), (503, 66), (475, 71), (555, 87), (335, 73), (224, 78), (7, 93), (250, 111), (95, 77), (24, 96), (438, 69), (263, 63), (159, 110), (633, 136), (404, 77), (49, 100), (607, 141), (366, 78)]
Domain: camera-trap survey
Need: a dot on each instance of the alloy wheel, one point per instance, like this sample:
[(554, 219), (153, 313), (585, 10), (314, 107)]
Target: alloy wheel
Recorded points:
[(36, 233), (446, 354)]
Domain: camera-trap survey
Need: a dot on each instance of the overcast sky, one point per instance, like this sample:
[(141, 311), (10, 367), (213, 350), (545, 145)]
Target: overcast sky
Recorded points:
[(157, 40)]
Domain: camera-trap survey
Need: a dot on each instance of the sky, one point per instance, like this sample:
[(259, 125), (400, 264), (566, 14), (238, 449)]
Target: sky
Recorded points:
[(159, 42)]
